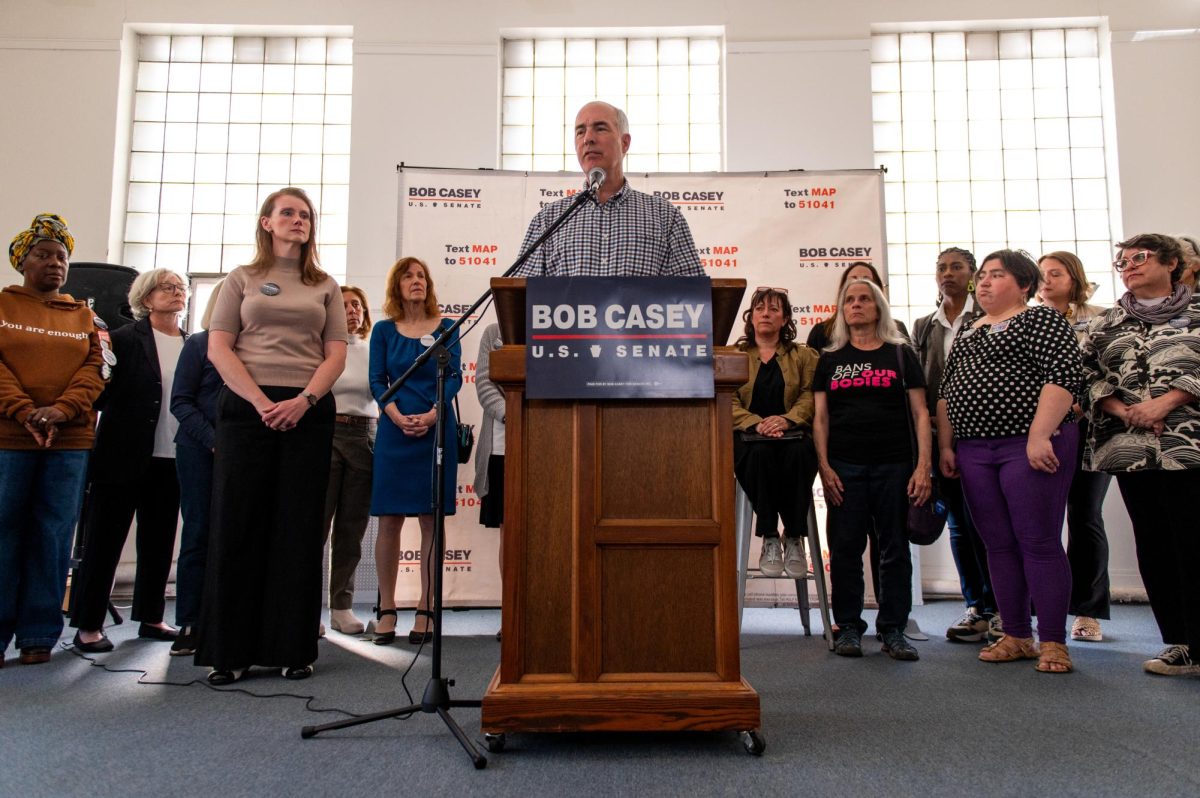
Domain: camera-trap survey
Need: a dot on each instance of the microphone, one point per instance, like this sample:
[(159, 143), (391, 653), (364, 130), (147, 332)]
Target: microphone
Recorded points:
[(595, 178)]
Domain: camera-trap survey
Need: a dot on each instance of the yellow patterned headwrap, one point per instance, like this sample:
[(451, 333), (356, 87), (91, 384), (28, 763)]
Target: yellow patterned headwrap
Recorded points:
[(45, 226)]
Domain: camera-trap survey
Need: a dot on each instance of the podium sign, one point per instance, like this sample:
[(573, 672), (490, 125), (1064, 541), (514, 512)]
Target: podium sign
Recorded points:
[(619, 338)]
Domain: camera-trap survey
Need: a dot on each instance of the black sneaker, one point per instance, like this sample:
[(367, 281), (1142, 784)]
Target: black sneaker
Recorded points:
[(896, 646), (848, 643), (1172, 661), (185, 643)]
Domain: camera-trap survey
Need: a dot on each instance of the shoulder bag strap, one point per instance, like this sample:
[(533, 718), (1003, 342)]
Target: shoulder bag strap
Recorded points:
[(912, 432)]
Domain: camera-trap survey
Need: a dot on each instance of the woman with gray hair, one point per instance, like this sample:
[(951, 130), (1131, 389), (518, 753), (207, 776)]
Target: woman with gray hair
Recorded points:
[(1141, 366), (1190, 249), (870, 427), (132, 470)]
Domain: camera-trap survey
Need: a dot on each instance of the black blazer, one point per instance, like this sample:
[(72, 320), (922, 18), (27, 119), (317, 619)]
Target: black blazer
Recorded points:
[(129, 407)]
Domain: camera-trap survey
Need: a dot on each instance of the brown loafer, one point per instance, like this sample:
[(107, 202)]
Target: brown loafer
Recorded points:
[(35, 655)]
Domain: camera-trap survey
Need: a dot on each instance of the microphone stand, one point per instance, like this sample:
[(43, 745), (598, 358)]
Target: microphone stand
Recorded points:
[(436, 699)]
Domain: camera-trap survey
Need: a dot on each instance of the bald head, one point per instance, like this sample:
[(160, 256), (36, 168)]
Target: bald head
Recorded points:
[(601, 140)]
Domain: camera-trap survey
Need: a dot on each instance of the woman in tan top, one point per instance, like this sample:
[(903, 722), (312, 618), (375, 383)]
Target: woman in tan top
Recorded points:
[(278, 340)]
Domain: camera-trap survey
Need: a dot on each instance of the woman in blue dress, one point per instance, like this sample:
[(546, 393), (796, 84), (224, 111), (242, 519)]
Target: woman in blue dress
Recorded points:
[(402, 485)]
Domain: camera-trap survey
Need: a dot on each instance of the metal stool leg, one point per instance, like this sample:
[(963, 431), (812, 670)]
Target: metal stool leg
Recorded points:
[(743, 516), (818, 571), (802, 605)]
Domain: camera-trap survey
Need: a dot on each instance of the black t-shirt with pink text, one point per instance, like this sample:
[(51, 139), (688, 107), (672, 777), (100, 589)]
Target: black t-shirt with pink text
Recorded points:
[(866, 402)]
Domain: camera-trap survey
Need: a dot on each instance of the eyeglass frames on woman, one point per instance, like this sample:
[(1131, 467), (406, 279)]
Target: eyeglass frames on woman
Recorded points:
[(764, 288), (172, 288), (1136, 259)]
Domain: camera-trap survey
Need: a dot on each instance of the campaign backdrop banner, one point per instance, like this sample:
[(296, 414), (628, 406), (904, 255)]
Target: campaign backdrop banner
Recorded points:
[(618, 338), (795, 230)]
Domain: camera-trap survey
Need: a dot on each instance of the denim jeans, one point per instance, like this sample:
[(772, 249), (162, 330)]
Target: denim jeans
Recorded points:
[(40, 494), (970, 556), (195, 468), (875, 494)]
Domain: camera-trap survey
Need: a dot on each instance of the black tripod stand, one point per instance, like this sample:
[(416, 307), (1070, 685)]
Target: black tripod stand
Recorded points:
[(436, 699)]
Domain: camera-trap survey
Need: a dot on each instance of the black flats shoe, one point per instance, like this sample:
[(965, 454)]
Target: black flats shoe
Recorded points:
[(384, 638), (297, 673), (220, 677), (152, 632), (100, 646)]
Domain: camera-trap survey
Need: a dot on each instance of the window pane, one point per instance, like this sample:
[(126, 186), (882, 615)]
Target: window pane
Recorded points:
[(182, 107), (580, 53), (669, 88), (200, 160), (150, 106), (183, 77), (1017, 153)]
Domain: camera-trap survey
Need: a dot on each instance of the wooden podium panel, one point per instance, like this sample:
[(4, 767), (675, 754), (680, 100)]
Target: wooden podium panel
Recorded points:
[(620, 580)]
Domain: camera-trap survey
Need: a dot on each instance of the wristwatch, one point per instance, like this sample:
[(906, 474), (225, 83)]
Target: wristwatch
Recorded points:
[(309, 397)]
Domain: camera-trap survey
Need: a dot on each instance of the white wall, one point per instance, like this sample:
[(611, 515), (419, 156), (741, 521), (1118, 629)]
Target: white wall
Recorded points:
[(426, 84)]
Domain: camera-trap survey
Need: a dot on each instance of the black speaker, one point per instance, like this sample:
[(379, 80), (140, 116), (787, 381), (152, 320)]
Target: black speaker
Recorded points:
[(105, 288)]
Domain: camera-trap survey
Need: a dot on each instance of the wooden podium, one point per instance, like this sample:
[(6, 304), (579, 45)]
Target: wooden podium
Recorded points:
[(620, 576)]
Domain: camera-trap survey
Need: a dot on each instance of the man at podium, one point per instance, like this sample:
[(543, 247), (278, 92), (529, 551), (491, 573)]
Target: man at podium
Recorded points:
[(622, 232)]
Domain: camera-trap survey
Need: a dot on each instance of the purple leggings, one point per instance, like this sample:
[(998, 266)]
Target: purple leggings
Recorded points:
[(1019, 513)]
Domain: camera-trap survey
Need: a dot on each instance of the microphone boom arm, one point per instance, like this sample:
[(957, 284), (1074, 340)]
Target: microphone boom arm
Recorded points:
[(520, 261)]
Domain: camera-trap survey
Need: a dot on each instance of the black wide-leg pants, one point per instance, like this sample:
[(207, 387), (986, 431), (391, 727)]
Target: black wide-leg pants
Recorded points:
[(262, 593)]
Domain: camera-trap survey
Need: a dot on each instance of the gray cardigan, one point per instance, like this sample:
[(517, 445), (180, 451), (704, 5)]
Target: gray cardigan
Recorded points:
[(491, 399)]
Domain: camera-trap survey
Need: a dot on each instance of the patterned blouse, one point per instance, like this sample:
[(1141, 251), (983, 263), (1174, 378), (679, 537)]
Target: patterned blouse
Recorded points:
[(1135, 361), (996, 373)]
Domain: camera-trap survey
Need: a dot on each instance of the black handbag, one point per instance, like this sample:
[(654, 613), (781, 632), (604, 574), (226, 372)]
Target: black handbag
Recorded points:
[(466, 436), (925, 522)]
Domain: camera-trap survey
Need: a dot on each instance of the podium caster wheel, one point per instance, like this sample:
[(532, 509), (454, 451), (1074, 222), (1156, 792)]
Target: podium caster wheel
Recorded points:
[(754, 742), (495, 742)]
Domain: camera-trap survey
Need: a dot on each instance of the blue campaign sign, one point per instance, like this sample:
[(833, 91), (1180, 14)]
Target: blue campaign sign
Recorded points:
[(618, 338)]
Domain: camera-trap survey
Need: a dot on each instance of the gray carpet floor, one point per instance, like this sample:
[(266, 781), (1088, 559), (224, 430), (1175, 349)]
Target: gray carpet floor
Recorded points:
[(945, 726)]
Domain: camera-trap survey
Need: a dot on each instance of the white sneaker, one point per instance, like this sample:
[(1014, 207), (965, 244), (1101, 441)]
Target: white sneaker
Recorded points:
[(795, 564), (770, 561), (346, 622)]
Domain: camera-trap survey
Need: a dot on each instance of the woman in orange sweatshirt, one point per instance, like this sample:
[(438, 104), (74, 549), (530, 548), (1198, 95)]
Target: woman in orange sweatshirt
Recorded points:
[(53, 364)]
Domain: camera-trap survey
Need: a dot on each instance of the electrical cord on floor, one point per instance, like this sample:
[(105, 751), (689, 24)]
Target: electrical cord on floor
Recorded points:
[(308, 699)]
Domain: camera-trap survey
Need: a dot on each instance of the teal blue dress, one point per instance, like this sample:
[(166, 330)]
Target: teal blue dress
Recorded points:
[(403, 479)]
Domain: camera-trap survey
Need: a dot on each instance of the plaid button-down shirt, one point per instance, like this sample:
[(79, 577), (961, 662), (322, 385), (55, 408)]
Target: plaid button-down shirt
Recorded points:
[(633, 234)]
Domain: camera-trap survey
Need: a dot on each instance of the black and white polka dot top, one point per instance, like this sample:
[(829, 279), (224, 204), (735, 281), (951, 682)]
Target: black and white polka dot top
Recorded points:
[(996, 372)]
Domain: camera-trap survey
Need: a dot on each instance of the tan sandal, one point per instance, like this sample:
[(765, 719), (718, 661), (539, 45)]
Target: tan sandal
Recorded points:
[(1010, 649), (1054, 659), (1086, 629)]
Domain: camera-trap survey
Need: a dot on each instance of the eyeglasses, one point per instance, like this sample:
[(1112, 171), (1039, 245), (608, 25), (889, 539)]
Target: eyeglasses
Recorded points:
[(764, 288), (1136, 259), (172, 288)]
